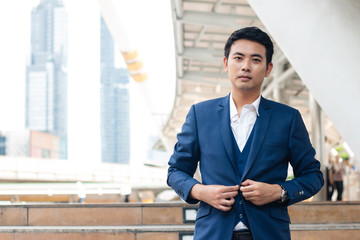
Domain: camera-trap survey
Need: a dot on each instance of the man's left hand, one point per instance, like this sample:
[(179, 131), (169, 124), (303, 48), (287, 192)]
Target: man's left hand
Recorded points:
[(260, 193)]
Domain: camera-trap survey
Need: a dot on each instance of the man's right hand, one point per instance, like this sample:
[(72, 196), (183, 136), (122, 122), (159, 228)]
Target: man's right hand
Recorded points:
[(218, 196)]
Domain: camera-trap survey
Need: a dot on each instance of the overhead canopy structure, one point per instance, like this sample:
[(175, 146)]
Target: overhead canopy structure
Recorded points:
[(201, 30)]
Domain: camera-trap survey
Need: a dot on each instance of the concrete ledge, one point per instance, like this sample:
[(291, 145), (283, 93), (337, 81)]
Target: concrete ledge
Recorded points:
[(102, 229), (325, 212), (324, 227), (159, 228), (91, 214), (162, 232), (157, 214)]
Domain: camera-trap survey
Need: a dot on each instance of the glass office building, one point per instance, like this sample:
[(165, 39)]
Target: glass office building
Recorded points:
[(46, 77), (115, 122)]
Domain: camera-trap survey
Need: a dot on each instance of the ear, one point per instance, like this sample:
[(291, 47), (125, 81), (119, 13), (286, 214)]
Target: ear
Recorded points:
[(225, 61), (268, 70)]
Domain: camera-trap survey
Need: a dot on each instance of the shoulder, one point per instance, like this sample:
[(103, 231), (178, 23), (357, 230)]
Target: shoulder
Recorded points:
[(281, 113), (278, 107), (212, 103)]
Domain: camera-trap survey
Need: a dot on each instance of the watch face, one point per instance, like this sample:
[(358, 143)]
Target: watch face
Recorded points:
[(284, 195)]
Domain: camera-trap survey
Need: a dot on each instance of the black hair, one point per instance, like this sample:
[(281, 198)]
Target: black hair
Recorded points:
[(253, 34)]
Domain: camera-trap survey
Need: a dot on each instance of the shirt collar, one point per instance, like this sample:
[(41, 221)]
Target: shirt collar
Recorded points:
[(233, 111)]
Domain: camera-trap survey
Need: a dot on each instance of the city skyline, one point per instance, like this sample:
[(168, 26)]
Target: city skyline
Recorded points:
[(46, 79), (83, 48)]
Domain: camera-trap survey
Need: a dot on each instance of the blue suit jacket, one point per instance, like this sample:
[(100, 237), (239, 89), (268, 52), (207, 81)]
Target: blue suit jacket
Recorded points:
[(280, 137)]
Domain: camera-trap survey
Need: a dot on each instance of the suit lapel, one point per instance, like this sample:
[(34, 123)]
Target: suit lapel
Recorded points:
[(260, 129), (225, 130)]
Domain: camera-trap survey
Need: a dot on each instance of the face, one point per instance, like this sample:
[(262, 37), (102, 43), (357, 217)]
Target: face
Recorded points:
[(246, 66)]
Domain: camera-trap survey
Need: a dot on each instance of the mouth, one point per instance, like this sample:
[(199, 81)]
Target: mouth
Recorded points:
[(244, 78)]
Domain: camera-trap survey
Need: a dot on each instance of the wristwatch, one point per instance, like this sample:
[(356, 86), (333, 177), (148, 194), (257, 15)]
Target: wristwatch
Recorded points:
[(284, 195)]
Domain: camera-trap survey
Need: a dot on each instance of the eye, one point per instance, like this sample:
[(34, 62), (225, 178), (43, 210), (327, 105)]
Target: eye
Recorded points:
[(257, 60), (238, 58)]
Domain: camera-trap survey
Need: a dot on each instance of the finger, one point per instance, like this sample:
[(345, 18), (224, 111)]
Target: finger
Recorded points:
[(230, 201), (251, 198), (231, 188), (224, 208), (247, 195), (227, 203), (247, 182), (249, 188), (230, 194)]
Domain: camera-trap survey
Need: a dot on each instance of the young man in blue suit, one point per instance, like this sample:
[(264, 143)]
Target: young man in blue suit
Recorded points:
[(243, 144)]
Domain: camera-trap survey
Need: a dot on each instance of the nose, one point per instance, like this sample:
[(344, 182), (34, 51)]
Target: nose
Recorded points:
[(245, 66)]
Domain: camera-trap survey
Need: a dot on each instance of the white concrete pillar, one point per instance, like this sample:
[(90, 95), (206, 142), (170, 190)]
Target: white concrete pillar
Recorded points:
[(318, 139), (321, 40), (317, 130)]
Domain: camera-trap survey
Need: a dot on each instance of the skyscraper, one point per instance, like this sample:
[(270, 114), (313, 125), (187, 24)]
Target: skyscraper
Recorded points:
[(115, 123), (46, 80)]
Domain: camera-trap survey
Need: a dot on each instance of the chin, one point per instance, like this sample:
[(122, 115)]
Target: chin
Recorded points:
[(243, 87)]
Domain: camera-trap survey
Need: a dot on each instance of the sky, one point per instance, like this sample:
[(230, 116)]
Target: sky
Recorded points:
[(150, 31)]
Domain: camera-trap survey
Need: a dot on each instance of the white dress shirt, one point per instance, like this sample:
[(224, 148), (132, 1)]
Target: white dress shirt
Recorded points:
[(242, 127)]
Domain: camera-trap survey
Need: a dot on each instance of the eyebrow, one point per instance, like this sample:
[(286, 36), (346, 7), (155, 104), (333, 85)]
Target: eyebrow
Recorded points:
[(252, 55)]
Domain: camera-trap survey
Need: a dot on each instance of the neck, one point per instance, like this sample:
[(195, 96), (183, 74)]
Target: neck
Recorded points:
[(241, 98)]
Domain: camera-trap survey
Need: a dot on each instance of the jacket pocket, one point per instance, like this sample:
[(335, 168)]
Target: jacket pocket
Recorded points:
[(280, 213), (203, 211)]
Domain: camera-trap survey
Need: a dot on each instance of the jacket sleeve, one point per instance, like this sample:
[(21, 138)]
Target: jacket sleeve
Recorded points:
[(308, 179), (184, 160)]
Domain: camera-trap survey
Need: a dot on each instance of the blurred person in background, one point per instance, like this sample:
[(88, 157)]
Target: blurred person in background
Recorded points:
[(338, 172)]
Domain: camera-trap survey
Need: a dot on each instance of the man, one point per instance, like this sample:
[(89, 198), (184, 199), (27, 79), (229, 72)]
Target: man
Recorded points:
[(243, 144)]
